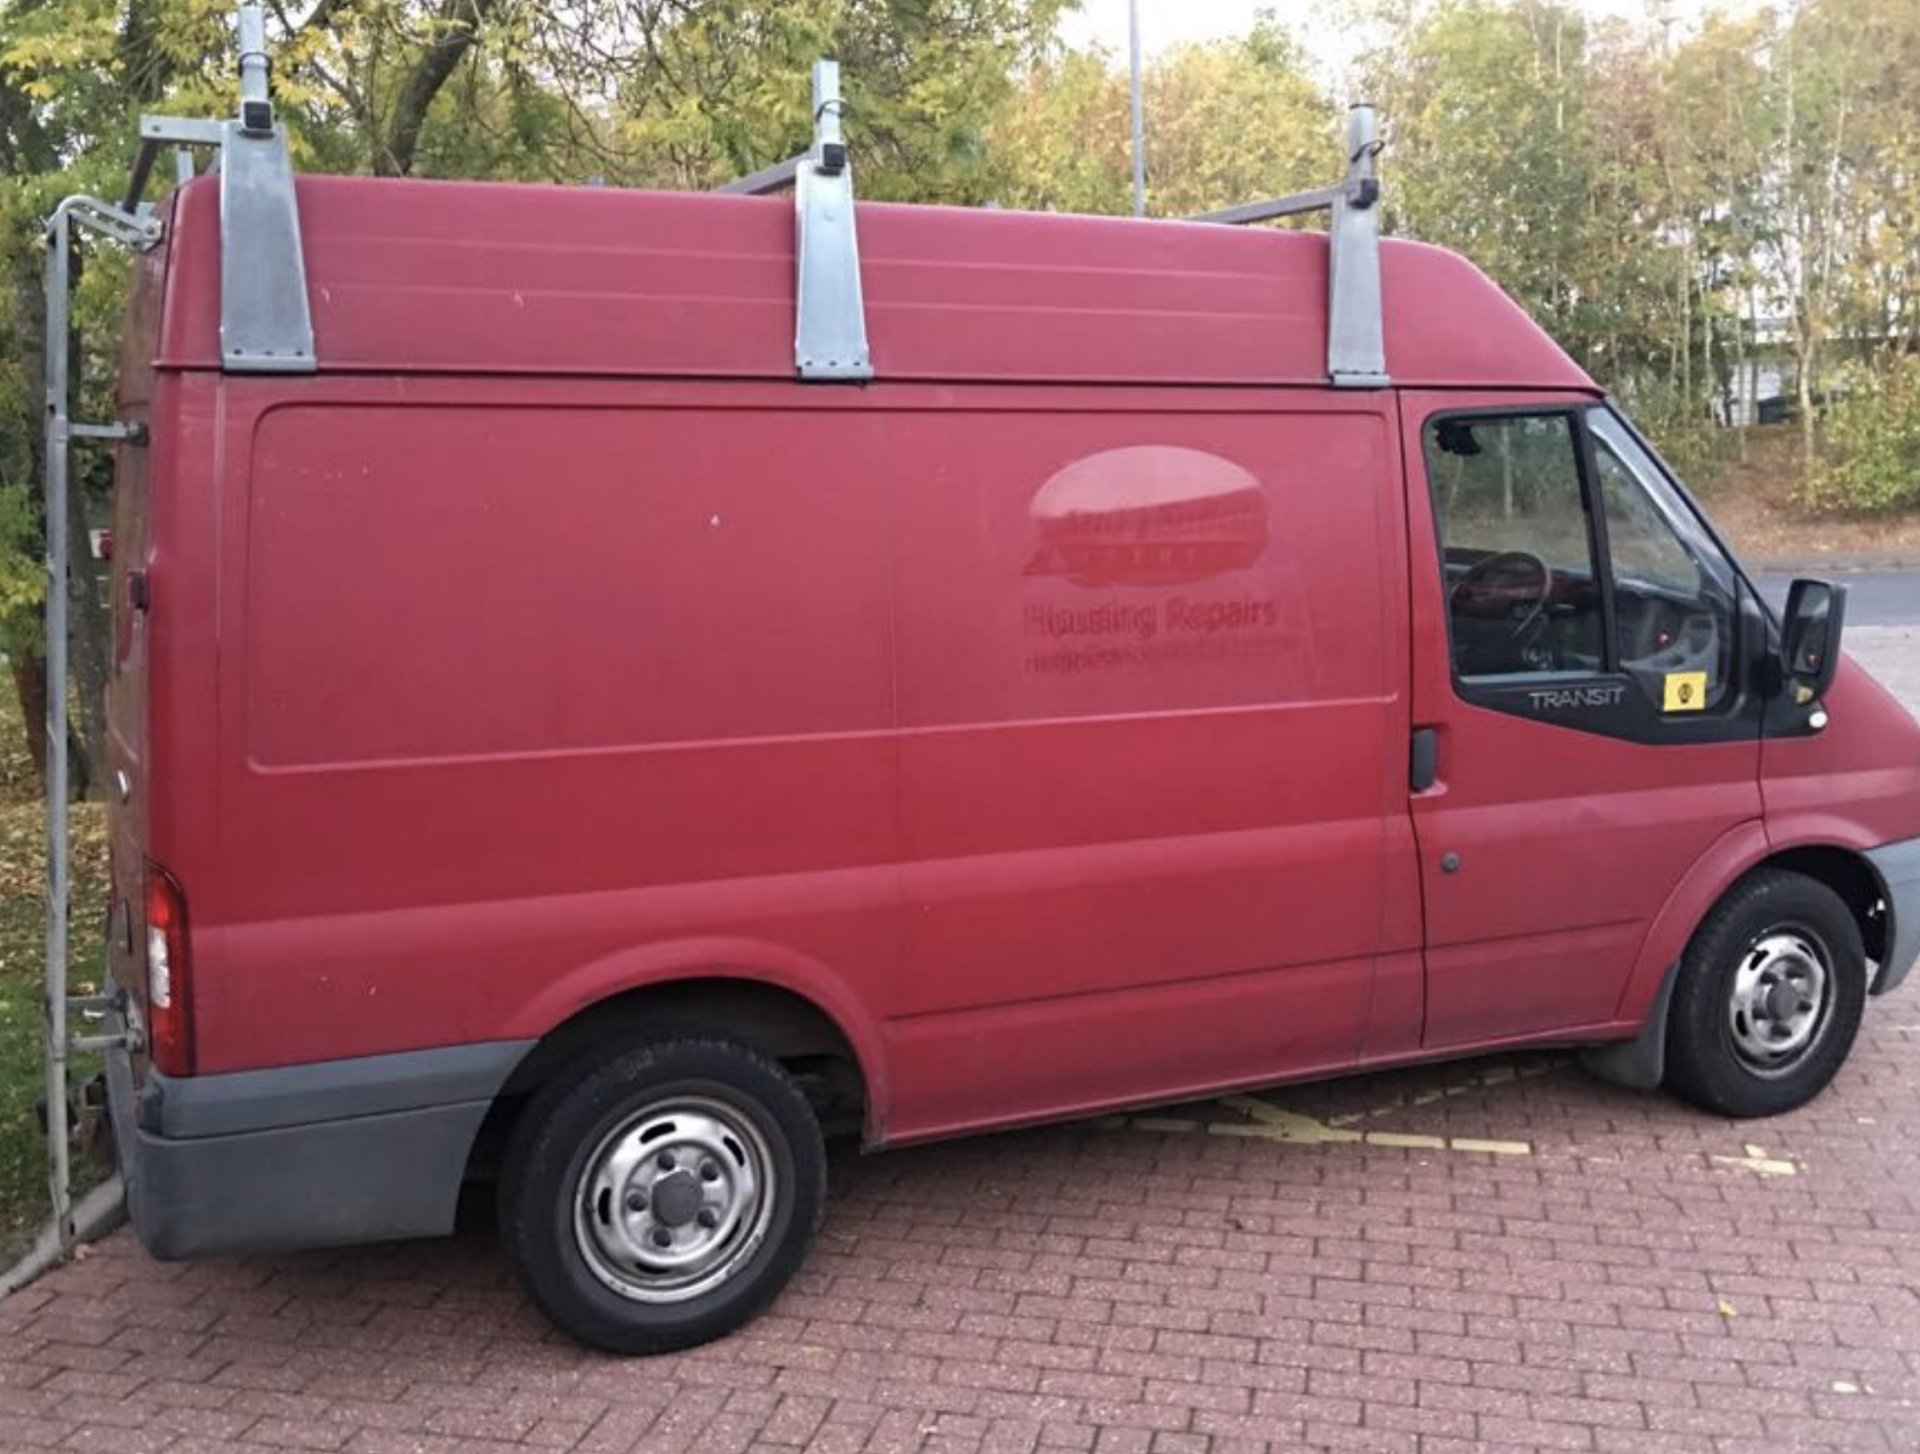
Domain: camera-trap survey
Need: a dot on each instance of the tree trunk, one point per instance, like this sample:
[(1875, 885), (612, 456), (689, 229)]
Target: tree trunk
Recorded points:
[(1803, 389), (459, 26), (30, 685), (1686, 325), (1750, 371), (1715, 390)]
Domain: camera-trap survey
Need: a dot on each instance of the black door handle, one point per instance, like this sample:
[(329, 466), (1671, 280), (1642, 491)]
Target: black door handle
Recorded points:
[(1423, 759)]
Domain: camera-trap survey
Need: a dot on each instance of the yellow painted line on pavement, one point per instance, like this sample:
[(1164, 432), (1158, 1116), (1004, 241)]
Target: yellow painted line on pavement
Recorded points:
[(1492, 1076), (1268, 1122), (1759, 1163)]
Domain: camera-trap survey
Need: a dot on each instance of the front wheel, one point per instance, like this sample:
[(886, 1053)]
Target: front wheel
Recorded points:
[(1769, 997), (661, 1197)]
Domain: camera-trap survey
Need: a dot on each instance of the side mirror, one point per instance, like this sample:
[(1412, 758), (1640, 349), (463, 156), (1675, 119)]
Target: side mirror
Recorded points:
[(1810, 637)]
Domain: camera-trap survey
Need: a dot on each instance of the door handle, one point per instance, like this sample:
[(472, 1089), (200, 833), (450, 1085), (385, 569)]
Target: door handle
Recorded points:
[(1423, 759)]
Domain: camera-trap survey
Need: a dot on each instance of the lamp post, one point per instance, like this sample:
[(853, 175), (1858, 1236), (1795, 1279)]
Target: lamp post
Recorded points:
[(1139, 129)]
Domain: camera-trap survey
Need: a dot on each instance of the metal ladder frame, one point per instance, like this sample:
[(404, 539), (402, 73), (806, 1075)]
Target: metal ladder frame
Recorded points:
[(139, 230), (265, 327)]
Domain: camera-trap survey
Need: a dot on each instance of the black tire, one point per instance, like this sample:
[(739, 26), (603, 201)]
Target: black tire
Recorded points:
[(579, 1255), (1734, 1032)]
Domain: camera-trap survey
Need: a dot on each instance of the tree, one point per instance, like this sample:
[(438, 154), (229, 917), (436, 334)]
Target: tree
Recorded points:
[(1227, 122), (1716, 128), (1494, 151)]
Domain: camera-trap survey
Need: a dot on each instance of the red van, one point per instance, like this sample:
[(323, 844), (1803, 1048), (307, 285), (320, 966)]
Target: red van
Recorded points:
[(643, 678)]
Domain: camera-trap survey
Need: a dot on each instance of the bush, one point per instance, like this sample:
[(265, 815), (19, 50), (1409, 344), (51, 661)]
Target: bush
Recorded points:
[(1870, 449)]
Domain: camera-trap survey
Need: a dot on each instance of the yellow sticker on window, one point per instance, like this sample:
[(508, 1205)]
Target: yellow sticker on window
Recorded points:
[(1686, 691)]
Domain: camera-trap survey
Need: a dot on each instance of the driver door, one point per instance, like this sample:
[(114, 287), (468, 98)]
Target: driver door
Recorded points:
[(1582, 662)]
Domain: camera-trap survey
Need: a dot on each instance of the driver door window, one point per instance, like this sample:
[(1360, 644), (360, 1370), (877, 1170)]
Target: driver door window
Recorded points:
[(1521, 590)]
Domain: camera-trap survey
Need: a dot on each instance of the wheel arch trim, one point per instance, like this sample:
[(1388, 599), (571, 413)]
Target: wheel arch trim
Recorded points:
[(1738, 852), (1641, 1061), (1735, 853), (747, 963)]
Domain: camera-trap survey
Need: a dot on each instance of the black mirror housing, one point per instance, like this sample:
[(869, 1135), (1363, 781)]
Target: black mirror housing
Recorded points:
[(1810, 636)]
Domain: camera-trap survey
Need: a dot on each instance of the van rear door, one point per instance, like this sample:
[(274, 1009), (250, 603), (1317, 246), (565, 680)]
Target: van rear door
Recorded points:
[(1583, 661), (127, 714)]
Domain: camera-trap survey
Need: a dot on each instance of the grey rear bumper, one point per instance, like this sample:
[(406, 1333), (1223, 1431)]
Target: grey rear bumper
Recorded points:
[(1898, 866), (303, 1156)]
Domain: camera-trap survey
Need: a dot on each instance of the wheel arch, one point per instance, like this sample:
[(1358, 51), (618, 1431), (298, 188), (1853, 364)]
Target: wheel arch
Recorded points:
[(827, 1046), (1743, 850), (1738, 854), (1849, 875)]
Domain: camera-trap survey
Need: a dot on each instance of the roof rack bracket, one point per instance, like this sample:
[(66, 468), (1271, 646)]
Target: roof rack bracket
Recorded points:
[(266, 321), (830, 322), (1356, 348)]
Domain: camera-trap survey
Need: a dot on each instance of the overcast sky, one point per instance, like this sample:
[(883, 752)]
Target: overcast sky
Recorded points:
[(1169, 22)]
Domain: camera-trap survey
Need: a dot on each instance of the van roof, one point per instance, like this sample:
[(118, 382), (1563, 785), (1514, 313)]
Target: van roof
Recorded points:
[(479, 277)]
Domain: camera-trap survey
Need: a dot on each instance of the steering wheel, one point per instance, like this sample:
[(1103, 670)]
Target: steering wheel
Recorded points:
[(1666, 639), (1497, 584)]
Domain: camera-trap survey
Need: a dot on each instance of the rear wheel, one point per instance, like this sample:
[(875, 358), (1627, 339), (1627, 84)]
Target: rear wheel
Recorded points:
[(661, 1197), (1769, 998)]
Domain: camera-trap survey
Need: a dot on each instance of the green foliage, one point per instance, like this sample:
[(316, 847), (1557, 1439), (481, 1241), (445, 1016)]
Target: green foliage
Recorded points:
[(1494, 152), (1230, 121), (1063, 137), (22, 578), (1870, 457), (24, 1203)]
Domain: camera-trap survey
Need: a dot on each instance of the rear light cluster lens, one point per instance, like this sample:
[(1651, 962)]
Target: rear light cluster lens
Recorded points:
[(169, 1015)]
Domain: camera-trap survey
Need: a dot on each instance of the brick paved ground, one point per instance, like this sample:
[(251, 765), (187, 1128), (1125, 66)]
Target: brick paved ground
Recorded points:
[(1497, 1256)]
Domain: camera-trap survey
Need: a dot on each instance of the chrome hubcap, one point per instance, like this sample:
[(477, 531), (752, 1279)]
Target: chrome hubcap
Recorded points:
[(1778, 1009), (673, 1200)]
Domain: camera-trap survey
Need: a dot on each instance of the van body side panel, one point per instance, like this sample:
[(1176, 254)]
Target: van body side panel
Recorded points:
[(1854, 784), (1149, 708), (1567, 843), (944, 711), (523, 679)]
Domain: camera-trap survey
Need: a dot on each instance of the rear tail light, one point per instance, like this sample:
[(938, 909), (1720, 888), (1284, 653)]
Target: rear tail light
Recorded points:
[(169, 974)]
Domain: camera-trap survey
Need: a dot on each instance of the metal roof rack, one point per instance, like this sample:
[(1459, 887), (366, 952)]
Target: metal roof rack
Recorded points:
[(830, 326), (830, 319), (1356, 352)]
